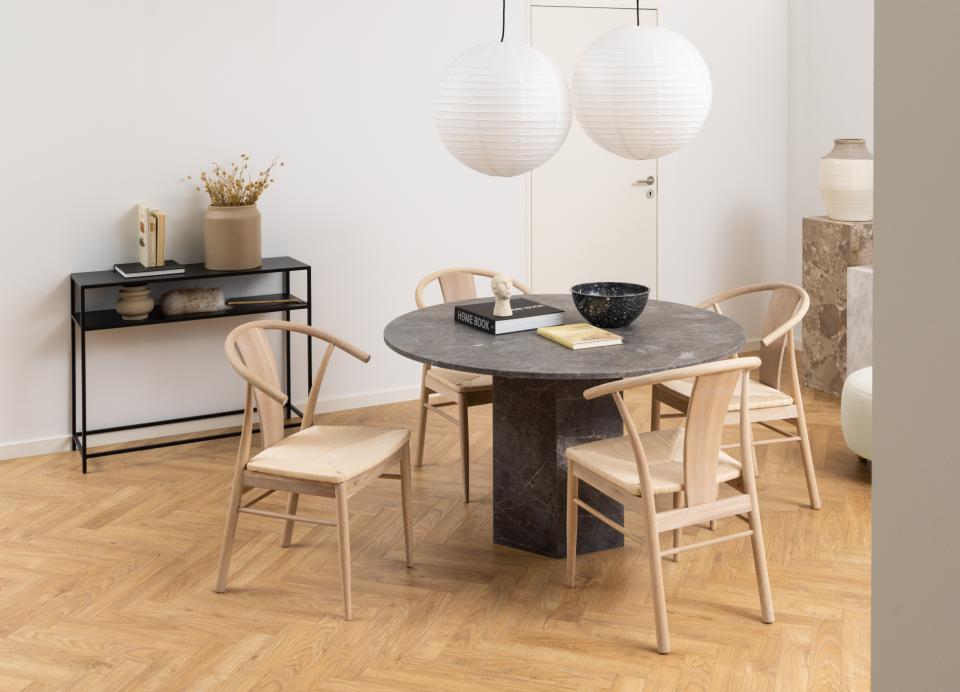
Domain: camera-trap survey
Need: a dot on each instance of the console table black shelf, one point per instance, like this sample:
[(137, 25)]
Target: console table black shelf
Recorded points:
[(110, 319), (83, 321)]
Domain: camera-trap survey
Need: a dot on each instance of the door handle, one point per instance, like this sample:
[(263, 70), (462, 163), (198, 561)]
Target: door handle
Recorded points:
[(649, 180)]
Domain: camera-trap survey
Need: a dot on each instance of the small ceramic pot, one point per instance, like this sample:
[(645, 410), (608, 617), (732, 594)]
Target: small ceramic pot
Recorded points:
[(134, 302), (846, 181), (231, 238)]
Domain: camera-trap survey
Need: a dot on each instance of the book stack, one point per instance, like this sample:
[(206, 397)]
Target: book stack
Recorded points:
[(151, 244), (151, 236)]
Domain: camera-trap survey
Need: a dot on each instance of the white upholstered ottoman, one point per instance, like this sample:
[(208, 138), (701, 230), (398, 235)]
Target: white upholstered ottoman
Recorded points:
[(856, 412)]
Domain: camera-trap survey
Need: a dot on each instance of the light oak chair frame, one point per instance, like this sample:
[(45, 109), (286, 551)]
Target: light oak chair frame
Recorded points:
[(788, 305), (248, 351), (714, 385), (456, 284)]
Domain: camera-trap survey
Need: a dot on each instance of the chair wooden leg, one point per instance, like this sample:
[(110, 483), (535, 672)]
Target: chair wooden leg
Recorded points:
[(464, 444), (656, 580), (756, 462), (654, 411), (760, 563), (229, 531), (405, 502), (343, 536), (677, 533), (807, 455), (573, 488), (801, 423), (422, 424), (292, 503)]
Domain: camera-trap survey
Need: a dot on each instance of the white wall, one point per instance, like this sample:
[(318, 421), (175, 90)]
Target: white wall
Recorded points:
[(96, 117), (831, 96), (95, 120), (723, 200)]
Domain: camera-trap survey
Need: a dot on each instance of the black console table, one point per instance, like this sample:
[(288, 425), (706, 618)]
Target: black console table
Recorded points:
[(84, 320)]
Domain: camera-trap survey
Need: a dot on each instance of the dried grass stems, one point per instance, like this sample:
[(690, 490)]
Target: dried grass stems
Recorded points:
[(235, 186)]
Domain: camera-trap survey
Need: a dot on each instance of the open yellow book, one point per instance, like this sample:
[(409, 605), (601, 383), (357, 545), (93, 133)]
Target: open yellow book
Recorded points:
[(580, 335)]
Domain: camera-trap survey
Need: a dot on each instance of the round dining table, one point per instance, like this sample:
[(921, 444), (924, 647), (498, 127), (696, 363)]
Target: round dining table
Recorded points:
[(539, 409)]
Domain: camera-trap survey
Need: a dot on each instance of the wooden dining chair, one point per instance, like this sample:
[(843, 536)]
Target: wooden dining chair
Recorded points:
[(686, 463), (334, 461), (440, 387), (787, 307)]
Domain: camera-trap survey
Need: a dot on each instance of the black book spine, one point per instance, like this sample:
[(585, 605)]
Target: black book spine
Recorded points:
[(475, 321)]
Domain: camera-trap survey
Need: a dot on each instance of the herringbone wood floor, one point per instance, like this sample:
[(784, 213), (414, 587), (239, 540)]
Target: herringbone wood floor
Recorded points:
[(105, 583)]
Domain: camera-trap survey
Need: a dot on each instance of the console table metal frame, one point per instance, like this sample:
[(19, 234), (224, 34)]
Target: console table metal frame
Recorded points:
[(83, 321)]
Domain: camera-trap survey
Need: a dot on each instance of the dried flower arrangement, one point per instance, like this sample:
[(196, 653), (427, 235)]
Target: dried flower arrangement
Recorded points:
[(235, 186)]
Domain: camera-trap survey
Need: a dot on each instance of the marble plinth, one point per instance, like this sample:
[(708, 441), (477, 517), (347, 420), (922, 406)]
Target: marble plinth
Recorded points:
[(859, 318), (534, 421), (829, 248)]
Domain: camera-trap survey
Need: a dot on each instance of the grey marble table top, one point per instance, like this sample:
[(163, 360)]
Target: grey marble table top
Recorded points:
[(665, 336)]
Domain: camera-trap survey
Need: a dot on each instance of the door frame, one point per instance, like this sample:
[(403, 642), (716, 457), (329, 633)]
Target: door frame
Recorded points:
[(526, 206)]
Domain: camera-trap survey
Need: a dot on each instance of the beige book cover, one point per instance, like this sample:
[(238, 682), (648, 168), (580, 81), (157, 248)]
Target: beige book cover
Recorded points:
[(143, 235), (152, 241), (580, 335), (160, 218)]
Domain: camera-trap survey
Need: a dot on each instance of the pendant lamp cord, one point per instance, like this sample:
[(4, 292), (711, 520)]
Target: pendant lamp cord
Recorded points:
[(638, 12), (503, 21)]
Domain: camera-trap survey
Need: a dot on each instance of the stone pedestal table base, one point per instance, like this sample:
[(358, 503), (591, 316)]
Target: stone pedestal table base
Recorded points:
[(534, 421)]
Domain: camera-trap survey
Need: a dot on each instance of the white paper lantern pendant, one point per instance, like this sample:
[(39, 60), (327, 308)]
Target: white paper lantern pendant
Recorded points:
[(502, 108), (641, 92)]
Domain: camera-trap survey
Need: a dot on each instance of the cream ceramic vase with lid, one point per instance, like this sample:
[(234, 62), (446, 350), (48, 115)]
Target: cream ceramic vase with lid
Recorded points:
[(231, 238), (846, 181)]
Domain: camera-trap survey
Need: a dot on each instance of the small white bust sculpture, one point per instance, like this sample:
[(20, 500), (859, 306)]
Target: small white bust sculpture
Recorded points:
[(501, 285)]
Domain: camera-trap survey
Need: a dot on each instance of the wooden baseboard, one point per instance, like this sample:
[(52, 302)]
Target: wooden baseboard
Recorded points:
[(61, 443)]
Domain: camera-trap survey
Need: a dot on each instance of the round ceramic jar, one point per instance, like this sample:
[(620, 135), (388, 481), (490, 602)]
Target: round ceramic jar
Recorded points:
[(846, 181), (134, 302), (231, 238)]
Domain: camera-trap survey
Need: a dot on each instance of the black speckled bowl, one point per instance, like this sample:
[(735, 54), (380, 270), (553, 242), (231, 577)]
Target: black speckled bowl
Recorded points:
[(610, 304)]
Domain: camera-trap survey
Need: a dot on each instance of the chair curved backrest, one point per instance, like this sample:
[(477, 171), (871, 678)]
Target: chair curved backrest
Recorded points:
[(787, 307), (713, 386), (250, 354), (458, 284)]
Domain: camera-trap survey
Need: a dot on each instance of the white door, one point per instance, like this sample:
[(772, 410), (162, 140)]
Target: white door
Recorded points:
[(591, 219)]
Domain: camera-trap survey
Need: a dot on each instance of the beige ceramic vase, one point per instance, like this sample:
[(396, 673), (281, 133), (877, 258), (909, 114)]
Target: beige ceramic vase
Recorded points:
[(846, 181), (134, 302), (231, 238)]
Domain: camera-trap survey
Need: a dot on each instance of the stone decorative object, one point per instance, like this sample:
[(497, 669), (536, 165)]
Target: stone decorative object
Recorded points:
[(231, 238), (610, 304), (134, 302), (846, 181), (539, 409), (501, 285), (188, 301), (859, 318), (829, 247)]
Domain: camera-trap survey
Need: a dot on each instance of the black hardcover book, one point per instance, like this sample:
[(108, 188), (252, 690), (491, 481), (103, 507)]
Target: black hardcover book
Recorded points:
[(527, 315), (135, 270)]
